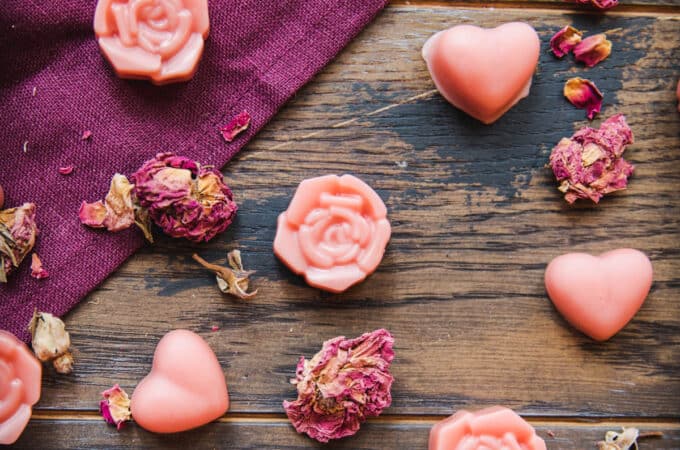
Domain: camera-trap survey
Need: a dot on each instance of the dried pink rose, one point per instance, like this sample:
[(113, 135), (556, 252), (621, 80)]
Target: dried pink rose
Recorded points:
[(37, 269), (584, 94), (184, 198), (17, 237), (565, 40), (599, 4), (66, 170), (593, 49), (343, 384), (116, 212), (235, 126), (115, 406), (87, 134), (590, 163)]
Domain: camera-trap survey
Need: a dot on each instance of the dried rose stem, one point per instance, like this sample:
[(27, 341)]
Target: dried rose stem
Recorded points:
[(220, 271), (648, 434)]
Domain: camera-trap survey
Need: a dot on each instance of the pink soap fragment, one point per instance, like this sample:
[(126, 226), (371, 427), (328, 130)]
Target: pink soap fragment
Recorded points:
[(334, 232), (491, 428), (19, 386), (162, 41), (590, 164), (483, 72), (347, 381), (235, 126), (185, 388), (599, 295)]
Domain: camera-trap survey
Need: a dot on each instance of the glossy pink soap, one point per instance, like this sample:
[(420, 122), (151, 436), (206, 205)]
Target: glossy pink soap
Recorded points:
[(495, 428), (599, 295), (20, 373), (483, 72), (159, 40), (334, 232), (185, 388)]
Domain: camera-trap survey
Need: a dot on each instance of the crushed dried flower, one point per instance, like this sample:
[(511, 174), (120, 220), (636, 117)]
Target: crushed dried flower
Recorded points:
[(66, 170), (343, 384), (37, 269), (115, 406), (18, 231), (87, 134), (599, 4), (235, 126), (593, 49), (234, 281), (565, 40), (590, 163), (583, 94), (51, 341), (624, 440)]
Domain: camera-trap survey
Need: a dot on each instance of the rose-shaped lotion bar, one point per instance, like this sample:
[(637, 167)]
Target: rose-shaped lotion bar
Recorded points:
[(160, 40), (483, 72), (334, 232), (495, 428), (185, 388), (20, 375)]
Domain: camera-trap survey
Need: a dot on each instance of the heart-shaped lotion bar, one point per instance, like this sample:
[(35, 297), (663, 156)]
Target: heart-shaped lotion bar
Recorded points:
[(482, 71), (185, 388), (599, 295)]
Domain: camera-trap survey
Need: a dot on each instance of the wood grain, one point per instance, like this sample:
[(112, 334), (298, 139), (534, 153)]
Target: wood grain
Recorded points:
[(476, 217)]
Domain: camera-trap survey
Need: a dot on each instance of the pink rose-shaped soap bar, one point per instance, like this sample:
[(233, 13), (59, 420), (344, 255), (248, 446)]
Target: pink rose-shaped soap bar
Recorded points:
[(334, 232), (495, 428), (160, 40), (20, 373)]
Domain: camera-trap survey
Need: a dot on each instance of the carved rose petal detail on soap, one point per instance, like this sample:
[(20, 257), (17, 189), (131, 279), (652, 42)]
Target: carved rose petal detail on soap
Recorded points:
[(495, 428), (334, 232), (161, 40), (20, 381)]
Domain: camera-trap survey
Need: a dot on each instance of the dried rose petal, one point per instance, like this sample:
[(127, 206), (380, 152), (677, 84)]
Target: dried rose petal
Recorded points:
[(584, 94), (37, 269), (115, 406), (232, 281), (117, 211), (87, 134), (66, 170), (593, 49), (235, 126), (17, 237), (51, 341), (184, 198), (565, 40), (600, 4), (343, 384), (590, 163)]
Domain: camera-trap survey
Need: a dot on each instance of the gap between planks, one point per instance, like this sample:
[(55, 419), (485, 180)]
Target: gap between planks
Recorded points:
[(534, 6), (273, 418)]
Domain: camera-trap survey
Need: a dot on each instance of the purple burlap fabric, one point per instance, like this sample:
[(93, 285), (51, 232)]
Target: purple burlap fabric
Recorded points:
[(258, 54)]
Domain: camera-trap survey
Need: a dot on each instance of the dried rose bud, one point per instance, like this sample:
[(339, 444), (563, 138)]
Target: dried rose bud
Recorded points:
[(17, 237), (584, 94), (237, 125), (342, 385), (183, 198), (115, 406), (51, 341), (565, 40), (234, 281), (37, 269), (590, 163), (593, 49), (118, 211), (66, 170)]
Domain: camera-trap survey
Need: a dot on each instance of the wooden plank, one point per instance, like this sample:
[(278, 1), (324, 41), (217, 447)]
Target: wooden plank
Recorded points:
[(262, 435), (624, 5), (475, 217)]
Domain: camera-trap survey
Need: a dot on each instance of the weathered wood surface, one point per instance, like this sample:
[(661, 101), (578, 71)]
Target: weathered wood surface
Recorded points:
[(475, 217)]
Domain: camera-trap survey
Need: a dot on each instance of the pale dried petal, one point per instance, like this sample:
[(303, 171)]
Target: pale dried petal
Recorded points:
[(50, 340), (18, 232), (115, 406)]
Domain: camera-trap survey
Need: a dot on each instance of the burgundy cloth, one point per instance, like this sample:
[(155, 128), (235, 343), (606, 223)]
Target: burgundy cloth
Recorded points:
[(257, 55)]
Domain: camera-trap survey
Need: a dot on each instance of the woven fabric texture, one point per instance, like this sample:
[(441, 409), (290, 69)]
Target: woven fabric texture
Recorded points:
[(55, 84)]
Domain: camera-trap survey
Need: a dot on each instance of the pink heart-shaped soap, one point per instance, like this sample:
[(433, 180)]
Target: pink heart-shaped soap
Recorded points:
[(482, 71), (185, 388), (599, 295)]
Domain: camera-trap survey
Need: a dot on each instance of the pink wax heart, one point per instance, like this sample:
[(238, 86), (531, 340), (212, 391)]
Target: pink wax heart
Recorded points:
[(185, 388), (599, 295), (484, 72)]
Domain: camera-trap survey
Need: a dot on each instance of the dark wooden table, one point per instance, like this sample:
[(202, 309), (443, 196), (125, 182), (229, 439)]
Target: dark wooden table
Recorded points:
[(476, 217)]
